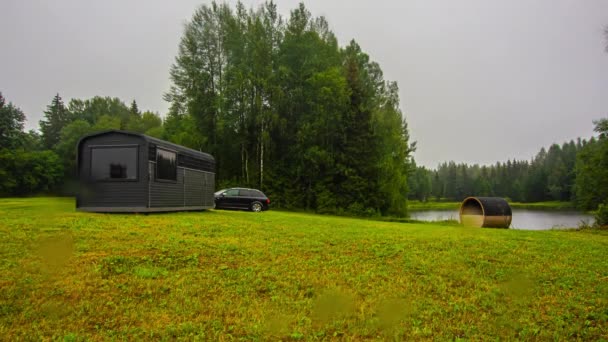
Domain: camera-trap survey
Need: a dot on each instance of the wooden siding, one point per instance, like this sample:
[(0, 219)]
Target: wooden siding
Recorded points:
[(199, 188), (166, 193), (192, 188)]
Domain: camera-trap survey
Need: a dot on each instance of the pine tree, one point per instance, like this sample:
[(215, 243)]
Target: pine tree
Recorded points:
[(11, 124), (592, 169), (56, 117), (133, 109)]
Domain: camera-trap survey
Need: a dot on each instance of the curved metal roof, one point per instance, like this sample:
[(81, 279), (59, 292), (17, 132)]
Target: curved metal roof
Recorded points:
[(149, 139)]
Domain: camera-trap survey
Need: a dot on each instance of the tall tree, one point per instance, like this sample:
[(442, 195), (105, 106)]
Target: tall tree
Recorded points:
[(23, 169), (198, 74), (56, 117), (393, 152), (66, 148), (592, 169), (359, 158), (283, 108), (134, 109), (11, 124), (92, 109)]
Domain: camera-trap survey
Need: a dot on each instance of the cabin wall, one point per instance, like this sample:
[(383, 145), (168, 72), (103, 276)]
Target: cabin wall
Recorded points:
[(166, 193), (193, 188), (200, 186), (129, 194)]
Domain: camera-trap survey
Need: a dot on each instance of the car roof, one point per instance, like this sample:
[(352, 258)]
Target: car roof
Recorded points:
[(260, 191)]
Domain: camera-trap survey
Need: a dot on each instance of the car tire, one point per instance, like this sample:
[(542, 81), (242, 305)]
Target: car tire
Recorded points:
[(256, 207)]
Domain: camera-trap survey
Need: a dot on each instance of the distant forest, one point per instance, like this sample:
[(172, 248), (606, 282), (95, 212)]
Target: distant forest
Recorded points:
[(283, 108), (550, 176)]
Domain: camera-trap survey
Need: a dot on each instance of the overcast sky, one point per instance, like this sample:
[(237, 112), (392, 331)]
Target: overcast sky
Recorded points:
[(480, 80)]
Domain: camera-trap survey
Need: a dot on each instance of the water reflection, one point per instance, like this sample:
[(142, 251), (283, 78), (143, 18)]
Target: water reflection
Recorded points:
[(522, 218)]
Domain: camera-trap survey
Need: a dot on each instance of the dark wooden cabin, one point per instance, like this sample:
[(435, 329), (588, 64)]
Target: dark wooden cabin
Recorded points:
[(122, 171)]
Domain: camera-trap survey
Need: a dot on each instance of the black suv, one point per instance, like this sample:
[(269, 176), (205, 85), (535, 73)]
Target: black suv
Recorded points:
[(241, 198)]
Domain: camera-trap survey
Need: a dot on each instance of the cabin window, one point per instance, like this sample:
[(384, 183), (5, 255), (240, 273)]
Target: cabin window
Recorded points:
[(166, 165), (114, 163), (194, 163)]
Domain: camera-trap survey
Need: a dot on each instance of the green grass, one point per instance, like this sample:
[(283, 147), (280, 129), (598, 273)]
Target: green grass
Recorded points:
[(548, 205), (226, 275)]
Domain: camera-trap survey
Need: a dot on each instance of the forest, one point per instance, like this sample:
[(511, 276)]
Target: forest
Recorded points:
[(572, 171), (285, 109)]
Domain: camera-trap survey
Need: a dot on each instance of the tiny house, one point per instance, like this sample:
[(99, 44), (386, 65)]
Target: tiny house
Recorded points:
[(122, 171)]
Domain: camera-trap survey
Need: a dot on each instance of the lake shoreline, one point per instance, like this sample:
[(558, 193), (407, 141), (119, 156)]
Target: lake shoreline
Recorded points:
[(549, 205), (523, 218)]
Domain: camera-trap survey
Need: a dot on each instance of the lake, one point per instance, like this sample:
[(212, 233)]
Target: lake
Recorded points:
[(522, 218)]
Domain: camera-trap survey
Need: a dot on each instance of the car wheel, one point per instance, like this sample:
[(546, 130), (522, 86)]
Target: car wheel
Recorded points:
[(256, 207)]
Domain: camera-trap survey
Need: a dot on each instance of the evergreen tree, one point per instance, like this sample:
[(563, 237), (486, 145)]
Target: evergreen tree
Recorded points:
[(23, 169), (592, 169), (419, 183), (11, 124), (56, 117), (134, 109)]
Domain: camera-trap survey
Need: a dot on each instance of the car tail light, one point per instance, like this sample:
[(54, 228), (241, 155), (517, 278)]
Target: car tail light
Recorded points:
[(268, 201)]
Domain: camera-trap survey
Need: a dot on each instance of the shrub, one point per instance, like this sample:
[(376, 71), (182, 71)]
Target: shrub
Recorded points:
[(25, 173), (601, 215)]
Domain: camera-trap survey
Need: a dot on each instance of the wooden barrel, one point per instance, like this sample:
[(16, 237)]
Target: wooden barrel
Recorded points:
[(489, 212)]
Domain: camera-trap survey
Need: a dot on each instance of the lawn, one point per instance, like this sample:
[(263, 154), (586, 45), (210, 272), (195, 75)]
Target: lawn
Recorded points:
[(227, 275)]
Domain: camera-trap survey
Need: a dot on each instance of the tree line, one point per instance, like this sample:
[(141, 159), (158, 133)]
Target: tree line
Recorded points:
[(44, 161), (279, 104), (574, 171), (285, 109)]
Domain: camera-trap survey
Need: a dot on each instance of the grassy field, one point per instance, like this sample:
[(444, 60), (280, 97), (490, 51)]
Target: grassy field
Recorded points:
[(549, 205), (226, 275)]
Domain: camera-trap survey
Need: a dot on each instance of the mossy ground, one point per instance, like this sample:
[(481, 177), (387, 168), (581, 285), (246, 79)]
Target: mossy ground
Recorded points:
[(228, 275)]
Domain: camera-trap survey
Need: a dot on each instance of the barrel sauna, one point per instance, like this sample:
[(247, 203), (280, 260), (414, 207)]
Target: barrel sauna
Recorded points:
[(488, 212)]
